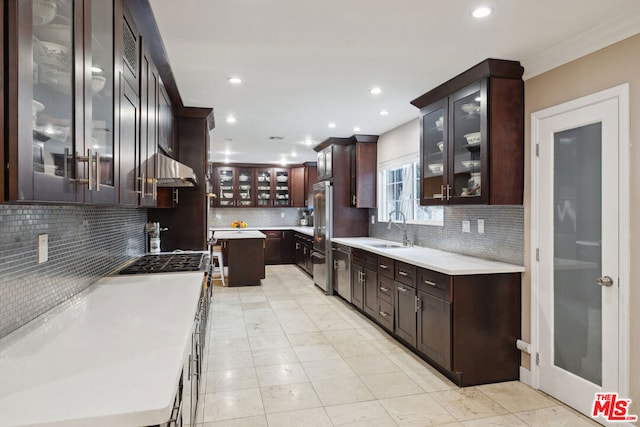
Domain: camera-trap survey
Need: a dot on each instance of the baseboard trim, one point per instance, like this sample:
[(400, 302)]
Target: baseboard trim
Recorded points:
[(525, 376)]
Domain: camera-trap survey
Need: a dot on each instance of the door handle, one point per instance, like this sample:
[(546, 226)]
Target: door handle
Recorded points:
[(604, 281)]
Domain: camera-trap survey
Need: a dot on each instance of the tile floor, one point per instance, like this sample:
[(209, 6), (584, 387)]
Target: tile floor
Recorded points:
[(284, 354)]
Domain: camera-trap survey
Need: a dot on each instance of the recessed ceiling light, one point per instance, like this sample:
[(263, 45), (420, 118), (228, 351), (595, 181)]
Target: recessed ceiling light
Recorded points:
[(226, 160), (308, 141), (235, 80), (481, 12), (384, 113), (96, 70), (293, 154), (227, 152), (356, 129), (375, 91), (332, 125), (283, 162), (231, 119)]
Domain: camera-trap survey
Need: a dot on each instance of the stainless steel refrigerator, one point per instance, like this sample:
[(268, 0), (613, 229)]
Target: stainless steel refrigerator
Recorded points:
[(322, 234)]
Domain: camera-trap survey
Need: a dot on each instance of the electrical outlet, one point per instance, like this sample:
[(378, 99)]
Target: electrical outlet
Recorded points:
[(218, 216), (281, 214), (43, 248), (373, 219), (466, 226), (481, 226)]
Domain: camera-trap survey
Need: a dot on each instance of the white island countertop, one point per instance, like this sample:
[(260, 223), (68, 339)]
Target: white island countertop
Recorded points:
[(432, 259), (238, 234), (304, 229), (110, 356)]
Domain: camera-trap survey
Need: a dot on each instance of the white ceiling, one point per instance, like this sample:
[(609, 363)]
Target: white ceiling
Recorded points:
[(305, 63)]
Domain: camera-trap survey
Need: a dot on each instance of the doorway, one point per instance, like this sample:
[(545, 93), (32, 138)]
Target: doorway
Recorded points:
[(580, 227)]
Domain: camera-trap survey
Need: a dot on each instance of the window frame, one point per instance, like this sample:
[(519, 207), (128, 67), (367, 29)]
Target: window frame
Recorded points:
[(412, 159)]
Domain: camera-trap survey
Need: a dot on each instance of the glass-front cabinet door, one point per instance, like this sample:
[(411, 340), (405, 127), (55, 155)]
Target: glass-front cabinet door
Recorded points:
[(434, 153), (282, 187), (467, 166), (99, 129), (50, 53), (264, 187), (245, 188), (226, 185)]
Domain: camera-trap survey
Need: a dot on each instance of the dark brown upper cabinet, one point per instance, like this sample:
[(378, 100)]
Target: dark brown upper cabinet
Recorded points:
[(363, 173), (60, 103), (302, 180), (472, 137), (356, 157)]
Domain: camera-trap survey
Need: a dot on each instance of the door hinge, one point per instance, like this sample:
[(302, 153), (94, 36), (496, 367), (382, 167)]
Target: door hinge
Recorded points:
[(537, 150), (537, 254), (537, 359)]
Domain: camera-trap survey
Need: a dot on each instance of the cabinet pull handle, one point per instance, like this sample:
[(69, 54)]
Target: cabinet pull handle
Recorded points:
[(402, 273), (442, 192), (417, 304), (427, 282), (383, 314), (89, 161), (383, 289), (400, 288), (97, 171), (383, 266), (448, 192), (142, 180), (354, 200)]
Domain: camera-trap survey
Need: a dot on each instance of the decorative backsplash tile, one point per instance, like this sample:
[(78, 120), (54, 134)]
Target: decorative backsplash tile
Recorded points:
[(502, 240), (271, 217), (85, 243)]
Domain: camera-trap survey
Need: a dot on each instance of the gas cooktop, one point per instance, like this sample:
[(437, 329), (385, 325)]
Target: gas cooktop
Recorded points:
[(168, 263)]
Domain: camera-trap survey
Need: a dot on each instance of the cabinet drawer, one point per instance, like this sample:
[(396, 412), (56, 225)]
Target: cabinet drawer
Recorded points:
[(405, 273), (365, 259), (272, 234), (385, 266), (385, 289), (434, 283), (385, 314)]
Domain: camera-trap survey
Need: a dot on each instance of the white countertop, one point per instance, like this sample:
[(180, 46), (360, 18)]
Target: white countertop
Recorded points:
[(433, 259), (299, 228), (112, 356), (238, 234)]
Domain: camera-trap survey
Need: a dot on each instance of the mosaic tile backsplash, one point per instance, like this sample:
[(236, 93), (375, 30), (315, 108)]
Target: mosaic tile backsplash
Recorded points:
[(85, 243), (502, 240), (271, 217)]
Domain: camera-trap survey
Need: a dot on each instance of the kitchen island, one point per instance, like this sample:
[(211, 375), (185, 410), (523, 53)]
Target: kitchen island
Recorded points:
[(245, 256)]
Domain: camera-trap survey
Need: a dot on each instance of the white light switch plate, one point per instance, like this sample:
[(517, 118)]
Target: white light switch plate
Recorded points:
[(466, 226), (373, 219), (43, 248), (481, 226)]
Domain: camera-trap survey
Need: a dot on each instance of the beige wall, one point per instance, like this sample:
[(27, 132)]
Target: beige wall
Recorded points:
[(612, 66)]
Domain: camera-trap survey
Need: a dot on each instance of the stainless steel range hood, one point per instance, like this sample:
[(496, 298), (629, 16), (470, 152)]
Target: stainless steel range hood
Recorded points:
[(172, 173)]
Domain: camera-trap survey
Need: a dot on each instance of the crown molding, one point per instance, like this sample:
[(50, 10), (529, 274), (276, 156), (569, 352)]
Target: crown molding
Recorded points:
[(618, 28)]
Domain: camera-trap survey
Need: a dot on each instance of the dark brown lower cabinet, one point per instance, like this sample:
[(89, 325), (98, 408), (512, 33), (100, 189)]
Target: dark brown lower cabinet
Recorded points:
[(301, 252), (278, 247), (405, 312), (370, 288), (465, 326), (434, 329), (357, 286)]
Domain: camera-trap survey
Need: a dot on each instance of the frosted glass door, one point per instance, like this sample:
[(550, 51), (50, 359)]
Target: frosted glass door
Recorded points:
[(578, 241)]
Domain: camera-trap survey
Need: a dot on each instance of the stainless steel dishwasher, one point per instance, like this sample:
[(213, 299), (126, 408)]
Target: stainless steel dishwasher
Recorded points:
[(342, 270)]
